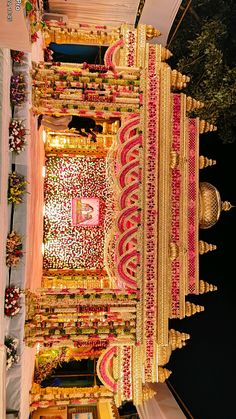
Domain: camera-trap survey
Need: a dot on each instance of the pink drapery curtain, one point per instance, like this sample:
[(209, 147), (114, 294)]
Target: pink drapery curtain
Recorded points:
[(162, 406), (14, 33)]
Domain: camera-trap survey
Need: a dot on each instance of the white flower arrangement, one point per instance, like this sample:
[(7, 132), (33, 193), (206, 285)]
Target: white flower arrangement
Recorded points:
[(17, 136), (11, 351)]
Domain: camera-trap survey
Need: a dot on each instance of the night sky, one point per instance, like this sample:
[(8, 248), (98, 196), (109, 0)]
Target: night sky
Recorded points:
[(203, 371)]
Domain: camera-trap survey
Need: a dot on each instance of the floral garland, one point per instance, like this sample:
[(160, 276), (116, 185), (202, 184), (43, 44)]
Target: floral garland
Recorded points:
[(17, 89), (12, 357), (16, 188), (17, 136), (12, 296), (17, 56), (33, 13), (13, 249)]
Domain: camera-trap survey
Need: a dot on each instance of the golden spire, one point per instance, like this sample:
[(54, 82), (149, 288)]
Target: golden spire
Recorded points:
[(179, 80), (191, 309), (205, 126), (163, 374), (192, 104), (148, 393), (177, 339), (152, 32), (226, 206), (205, 162), (165, 54), (205, 247), (206, 287)]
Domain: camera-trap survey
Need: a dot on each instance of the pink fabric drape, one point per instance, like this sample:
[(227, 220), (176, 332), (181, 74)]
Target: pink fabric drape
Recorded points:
[(162, 406), (14, 33)]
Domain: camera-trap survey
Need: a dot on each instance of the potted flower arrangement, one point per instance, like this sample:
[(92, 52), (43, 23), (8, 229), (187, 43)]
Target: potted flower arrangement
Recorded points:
[(17, 56), (12, 297), (13, 249), (17, 136), (16, 188), (11, 345), (18, 89)]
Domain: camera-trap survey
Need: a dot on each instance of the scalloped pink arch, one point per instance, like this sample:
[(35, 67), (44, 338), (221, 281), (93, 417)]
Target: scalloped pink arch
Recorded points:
[(103, 368)]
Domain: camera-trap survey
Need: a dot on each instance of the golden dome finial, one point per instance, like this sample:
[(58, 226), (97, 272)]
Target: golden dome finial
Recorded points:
[(226, 206), (163, 374), (148, 393), (205, 247)]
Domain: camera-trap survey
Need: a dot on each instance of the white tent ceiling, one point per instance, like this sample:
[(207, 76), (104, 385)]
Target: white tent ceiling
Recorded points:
[(158, 13)]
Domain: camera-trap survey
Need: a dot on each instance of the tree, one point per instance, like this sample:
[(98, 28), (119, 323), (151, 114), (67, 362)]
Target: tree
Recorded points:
[(205, 49)]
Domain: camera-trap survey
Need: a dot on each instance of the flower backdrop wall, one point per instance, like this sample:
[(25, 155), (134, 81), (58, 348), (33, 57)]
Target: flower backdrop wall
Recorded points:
[(67, 245)]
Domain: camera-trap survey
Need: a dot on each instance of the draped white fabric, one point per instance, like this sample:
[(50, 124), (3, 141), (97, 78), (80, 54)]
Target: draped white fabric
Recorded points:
[(161, 15), (14, 33), (2, 381), (162, 406), (105, 12)]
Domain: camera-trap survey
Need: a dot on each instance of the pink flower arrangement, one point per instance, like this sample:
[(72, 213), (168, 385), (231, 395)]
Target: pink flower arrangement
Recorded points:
[(12, 297), (17, 136), (13, 249), (17, 56)]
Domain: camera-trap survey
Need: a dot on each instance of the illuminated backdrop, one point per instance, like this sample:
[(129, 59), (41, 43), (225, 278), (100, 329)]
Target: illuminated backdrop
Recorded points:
[(67, 245)]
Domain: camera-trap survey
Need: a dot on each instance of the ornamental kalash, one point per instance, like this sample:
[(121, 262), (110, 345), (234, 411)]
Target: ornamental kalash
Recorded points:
[(121, 225)]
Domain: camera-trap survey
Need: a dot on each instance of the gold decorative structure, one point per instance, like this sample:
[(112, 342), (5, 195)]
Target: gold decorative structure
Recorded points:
[(150, 148), (163, 374)]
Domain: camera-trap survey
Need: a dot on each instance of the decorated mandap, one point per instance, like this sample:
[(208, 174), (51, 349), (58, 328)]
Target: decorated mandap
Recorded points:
[(121, 221)]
